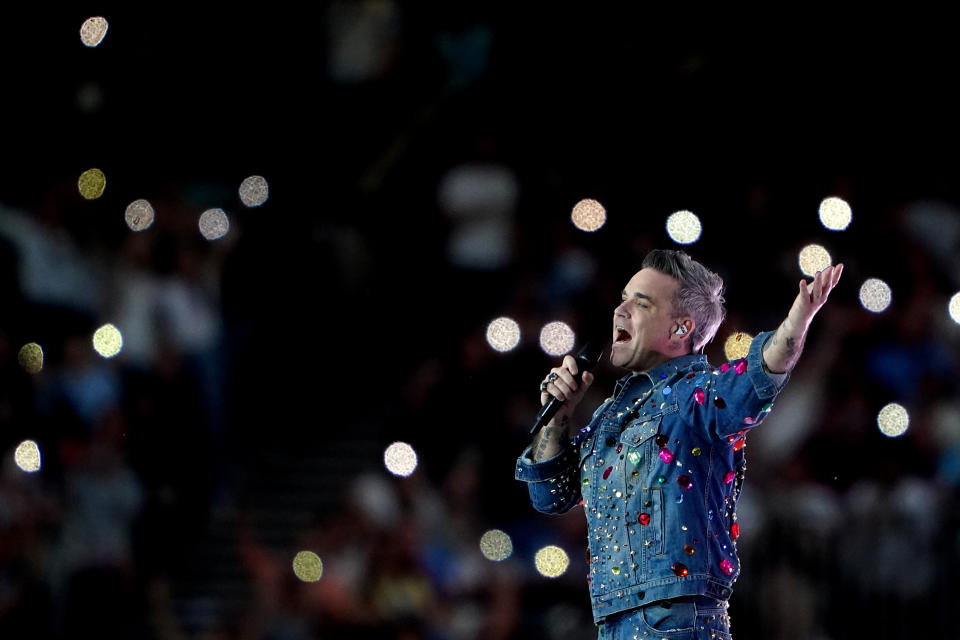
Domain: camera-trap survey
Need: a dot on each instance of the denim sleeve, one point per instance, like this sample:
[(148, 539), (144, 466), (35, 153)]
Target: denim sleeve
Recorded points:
[(553, 484), (735, 397)]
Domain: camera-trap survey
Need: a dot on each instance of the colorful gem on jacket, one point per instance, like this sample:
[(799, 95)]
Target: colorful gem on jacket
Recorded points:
[(661, 479), (666, 455), (726, 566), (680, 570), (699, 395), (729, 476), (719, 403), (661, 440), (619, 447), (725, 367), (740, 367), (667, 391), (738, 444), (689, 550), (644, 519), (685, 482), (633, 456), (750, 420), (606, 472), (735, 530), (696, 451)]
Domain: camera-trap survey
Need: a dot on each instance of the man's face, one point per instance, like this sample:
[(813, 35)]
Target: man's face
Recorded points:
[(644, 323)]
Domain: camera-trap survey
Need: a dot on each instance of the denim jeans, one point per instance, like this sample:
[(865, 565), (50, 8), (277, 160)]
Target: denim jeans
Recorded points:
[(694, 618)]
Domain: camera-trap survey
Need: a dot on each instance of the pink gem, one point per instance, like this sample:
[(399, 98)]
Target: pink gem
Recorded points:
[(726, 566), (725, 367), (740, 367), (666, 455), (749, 420), (685, 482), (699, 395), (728, 478), (644, 519), (735, 530), (606, 472)]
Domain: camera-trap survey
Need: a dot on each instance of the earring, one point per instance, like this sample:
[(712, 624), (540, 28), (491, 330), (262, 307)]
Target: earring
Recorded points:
[(681, 330)]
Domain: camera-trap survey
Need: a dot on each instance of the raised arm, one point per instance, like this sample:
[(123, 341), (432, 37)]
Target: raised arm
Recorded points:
[(783, 350)]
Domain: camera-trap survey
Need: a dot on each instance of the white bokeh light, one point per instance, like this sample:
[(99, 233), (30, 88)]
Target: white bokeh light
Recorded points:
[(684, 227), (875, 295), (214, 224), (588, 215), (93, 30), (954, 307), (400, 459), (835, 213), (551, 561), (813, 258), (503, 334), (496, 545), (27, 456), (139, 215), (254, 191), (557, 338), (893, 420), (107, 341)]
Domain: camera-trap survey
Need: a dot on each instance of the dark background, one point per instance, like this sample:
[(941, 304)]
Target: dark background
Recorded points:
[(345, 321)]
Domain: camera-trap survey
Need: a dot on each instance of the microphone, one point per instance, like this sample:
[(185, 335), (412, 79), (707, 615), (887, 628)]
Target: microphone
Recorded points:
[(587, 358)]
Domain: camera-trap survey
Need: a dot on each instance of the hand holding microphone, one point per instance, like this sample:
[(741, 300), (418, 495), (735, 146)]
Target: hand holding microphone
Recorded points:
[(566, 384)]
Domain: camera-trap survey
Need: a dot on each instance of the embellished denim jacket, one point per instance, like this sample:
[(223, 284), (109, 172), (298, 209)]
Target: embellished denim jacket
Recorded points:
[(658, 471)]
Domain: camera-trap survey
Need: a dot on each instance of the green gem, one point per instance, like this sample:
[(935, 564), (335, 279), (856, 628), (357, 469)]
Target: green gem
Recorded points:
[(586, 481), (633, 456), (616, 571), (661, 479), (696, 451)]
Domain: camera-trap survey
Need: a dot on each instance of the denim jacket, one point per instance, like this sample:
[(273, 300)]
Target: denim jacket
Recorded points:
[(658, 471)]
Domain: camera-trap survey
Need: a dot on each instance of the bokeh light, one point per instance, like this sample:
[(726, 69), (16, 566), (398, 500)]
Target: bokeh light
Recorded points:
[(93, 30), (27, 456), (503, 334), (814, 258), (30, 357), (139, 215), (875, 295), (737, 345), (835, 213), (496, 545), (551, 561), (214, 224), (954, 307), (400, 459), (91, 184), (556, 338), (893, 420), (684, 227), (254, 191), (588, 215), (307, 566), (107, 341)]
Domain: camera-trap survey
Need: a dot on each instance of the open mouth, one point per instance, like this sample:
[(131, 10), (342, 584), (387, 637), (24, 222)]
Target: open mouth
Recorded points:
[(622, 336)]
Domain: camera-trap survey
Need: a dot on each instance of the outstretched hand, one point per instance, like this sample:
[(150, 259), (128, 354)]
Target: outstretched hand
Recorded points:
[(813, 295)]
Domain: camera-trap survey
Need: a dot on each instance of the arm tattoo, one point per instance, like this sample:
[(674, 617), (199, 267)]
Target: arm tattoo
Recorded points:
[(542, 444)]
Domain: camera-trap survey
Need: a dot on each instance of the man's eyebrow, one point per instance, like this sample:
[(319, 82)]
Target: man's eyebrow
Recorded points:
[(636, 295)]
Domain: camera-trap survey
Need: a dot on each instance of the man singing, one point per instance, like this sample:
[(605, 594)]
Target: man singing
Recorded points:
[(661, 464)]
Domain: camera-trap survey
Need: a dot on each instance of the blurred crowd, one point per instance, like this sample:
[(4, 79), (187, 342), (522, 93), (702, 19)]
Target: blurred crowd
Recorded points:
[(308, 342)]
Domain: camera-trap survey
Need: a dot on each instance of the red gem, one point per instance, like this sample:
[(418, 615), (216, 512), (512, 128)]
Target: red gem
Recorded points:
[(644, 519), (740, 367), (606, 472), (725, 565), (685, 482), (739, 443), (619, 447), (699, 395), (666, 455), (719, 403), (735, 530), (690, 375), (680, 570), (728, 478), (725, 367)]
